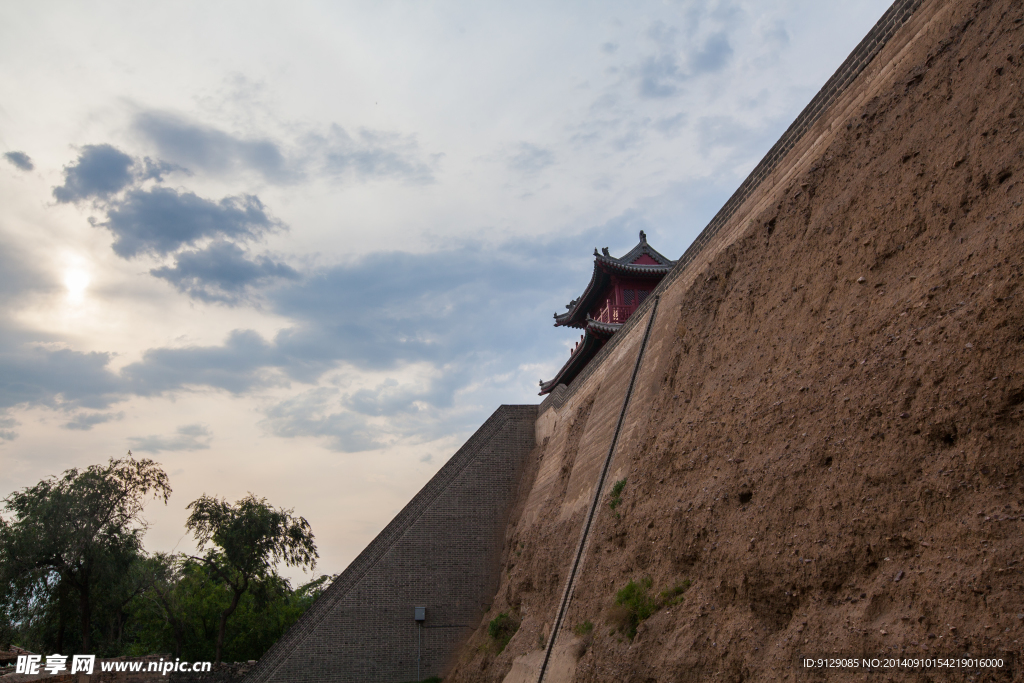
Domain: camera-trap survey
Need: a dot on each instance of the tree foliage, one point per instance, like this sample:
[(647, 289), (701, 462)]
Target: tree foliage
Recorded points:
[(181, 614), (67, 534), (244, 543), (74, 577)]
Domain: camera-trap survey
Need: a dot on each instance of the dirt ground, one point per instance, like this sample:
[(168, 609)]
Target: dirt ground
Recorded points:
[(833, 453)]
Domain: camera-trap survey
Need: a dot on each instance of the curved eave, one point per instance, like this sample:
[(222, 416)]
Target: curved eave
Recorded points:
[(613, 265), (604, 266), (600, 329), (587, 349), (576, 316)]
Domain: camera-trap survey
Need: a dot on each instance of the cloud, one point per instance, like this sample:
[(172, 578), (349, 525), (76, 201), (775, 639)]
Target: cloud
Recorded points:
[(32, 370), (774, 34), (677, 60), (670, 125), (374, 417), (161, 220), (727, 137), (86, 421), (35, 375), (194, 437), (20, 159), (99, 172), (212, 150), (390, 398), (530, 158), (390, 308), (149, 169), (660, 76), (237, 366), (19, 275), (6, 433), (102, 171), (450, 320), (222, 272), (308, 415), (367, 154), (381, 312), (713, 55), (374, 155)]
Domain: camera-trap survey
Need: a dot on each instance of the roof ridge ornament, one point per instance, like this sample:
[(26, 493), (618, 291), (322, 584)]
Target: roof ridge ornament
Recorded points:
[(643, 237)]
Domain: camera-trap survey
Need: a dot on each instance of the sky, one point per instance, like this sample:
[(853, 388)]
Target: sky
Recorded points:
[(305, 249)]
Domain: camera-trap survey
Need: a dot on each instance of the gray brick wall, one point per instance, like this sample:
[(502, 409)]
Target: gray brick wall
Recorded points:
[(441, 552)]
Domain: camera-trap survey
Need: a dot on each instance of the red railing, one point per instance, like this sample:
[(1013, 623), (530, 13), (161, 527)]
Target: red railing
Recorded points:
[(615, 315)]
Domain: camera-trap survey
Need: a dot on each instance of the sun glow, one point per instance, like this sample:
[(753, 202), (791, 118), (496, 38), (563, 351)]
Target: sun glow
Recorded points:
[(76, 280)]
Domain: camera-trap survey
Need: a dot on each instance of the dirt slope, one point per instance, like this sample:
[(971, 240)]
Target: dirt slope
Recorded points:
[(830, 446)]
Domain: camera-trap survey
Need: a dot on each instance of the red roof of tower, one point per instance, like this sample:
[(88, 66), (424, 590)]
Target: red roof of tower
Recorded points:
[(642, 266), (642, 262)]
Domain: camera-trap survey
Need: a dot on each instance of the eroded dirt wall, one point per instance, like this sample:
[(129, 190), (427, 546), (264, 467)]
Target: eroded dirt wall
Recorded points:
[(826, 435)]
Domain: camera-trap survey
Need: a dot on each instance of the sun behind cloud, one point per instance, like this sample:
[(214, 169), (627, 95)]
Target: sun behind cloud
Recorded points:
[(77, 281)]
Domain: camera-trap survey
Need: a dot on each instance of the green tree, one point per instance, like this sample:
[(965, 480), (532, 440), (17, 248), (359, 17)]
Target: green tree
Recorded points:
[(181, 611), (65, 535), (250, 538)]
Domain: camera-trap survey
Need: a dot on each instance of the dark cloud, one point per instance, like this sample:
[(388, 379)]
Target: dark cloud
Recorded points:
[(392, 307), (86, 421), (148, 169), (99, 172), (237, 366), (373, 154), (194, 437), (162, 220), (222, 272), (20, 159), (35, 375), (210, 149), (530, 158)]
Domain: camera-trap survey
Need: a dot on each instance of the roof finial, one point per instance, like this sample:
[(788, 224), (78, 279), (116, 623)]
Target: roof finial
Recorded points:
[(604, 250), (643, 237), (595, 251)]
